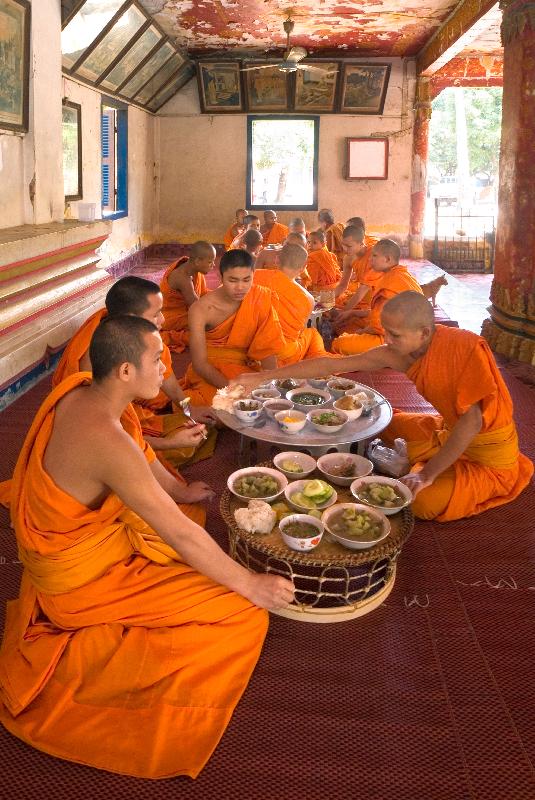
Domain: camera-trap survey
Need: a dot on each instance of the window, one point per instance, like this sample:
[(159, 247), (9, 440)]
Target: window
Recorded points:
[(114, 145), (72, 150), (282, 162)]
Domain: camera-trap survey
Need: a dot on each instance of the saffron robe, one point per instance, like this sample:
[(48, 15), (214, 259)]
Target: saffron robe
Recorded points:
[(238, 343), (175, 332), (293, 307), (116, 654), (231, 234), (334, 236), (276, 235), (457, 371), (322, 266), (361, 272)]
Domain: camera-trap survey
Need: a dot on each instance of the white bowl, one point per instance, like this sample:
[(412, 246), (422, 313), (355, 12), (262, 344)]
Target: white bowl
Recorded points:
[(353, 413), (298, 486), (397, 485), (345, 383), (299, 543), (298, 382), (291, 427), (271, 407), (350, 542), (325, 397), (306, 462), (327, 429), (362, 465), (241, 473), (320, 383), (265, 393), (370, 394), (249, 417)]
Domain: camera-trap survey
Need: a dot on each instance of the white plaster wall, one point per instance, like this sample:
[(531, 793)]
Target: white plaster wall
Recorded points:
[(203, 165)]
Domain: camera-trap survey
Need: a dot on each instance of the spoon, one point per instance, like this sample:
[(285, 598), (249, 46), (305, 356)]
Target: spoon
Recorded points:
[(184, 405), (368, 410)]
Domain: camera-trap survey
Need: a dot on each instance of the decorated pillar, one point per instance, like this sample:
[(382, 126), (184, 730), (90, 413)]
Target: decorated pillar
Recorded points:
[(511, 327), (420, 150)]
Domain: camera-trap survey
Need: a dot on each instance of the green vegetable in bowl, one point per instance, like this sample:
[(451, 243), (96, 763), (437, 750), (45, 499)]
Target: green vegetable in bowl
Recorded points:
[(291, 466), (381, 494), (256, 485), (314, 494), (354, 524)]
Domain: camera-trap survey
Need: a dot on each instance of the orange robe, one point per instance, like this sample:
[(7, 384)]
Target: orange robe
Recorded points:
[(322, 266), (230, 235), (387, 284), (276, 235), (333, 241), (116, 654), (293, 306), (457, 371), (175, 332), (238, 343), (361, 272)]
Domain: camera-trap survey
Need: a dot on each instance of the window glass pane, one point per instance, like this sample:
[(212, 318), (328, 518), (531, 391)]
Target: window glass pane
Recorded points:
[(163, 75), (282, 162), (132, 59), (168, 91), (85, 26), (112, 44), (71, 155), (158, 60)]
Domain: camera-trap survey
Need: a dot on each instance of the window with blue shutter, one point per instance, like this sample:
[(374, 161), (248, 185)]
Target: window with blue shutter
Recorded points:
[(114, 152)]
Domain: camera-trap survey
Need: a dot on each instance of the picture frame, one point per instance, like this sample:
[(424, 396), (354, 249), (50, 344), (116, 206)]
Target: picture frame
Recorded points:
[(15, 18), (72, 150), (366, 158), (266, 89), (314, 92), (220, 87), (363, 88)]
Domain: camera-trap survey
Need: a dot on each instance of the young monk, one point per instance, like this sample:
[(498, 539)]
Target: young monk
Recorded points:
[(164, 426), (233, 328), (333, 234), (268, 258), (273, 232), (357, 248), (252, 242), (322, 265), (390, 279), (464, 459), (183, 283), (251, 222), (297, 225), (293, 304), (134, 634), (236, 229)]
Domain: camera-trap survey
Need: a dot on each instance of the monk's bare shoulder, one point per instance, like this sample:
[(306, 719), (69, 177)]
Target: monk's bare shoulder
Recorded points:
[(179, 277)]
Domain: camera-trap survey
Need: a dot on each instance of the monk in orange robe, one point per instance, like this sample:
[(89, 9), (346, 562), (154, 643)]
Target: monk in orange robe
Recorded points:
[(183, 283), (273, 232), (465, 459), (251, 242), (134, 635), (333, 234), (294, 306), (233, 329), (356, 267), (163, 422), (236, 229), (391, 279), (251, 222), (322, 265)]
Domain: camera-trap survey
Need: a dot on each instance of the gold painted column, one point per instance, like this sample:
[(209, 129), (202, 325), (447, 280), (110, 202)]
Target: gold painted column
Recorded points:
[(511, 327), (420, 150)]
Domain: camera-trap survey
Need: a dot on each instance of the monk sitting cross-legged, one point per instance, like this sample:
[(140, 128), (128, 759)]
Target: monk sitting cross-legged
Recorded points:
[(356, 266), (322, 265), (182, 284), (134, 635), (233, 329), (273, 232), (464, 459), (236, 229)]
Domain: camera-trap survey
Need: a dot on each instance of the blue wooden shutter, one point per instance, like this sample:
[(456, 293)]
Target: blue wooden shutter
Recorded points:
[(108, 160)]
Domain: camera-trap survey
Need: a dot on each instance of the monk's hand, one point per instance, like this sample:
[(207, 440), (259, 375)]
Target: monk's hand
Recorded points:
[(199, 492), (270, 591), (249, 381), (416, 481), (189, 435), (204, 414)]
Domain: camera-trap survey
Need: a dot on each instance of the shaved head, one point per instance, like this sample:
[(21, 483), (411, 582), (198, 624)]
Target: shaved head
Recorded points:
[(318, 235), (202, 250), (389, 248), (358, 221), (355, 232), (296, 238), (293, 256), (412, 310), (251, 238), (326, 215)]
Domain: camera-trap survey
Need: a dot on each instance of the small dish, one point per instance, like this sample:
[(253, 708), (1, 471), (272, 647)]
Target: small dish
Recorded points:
[(353, 542), (339, 386), (271, 407), (277, 476), (250, 414), (265, 393), (327, 413), (303, 391), (287, 384), (371, 396), (362, 467), (399, 487), (306, 463), (302, 543), (320, 383), (291, 421), (297, 488)]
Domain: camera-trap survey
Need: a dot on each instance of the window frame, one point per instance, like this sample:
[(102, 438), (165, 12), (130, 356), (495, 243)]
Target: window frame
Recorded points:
[(80, 191), (251, 118), (121, 184)]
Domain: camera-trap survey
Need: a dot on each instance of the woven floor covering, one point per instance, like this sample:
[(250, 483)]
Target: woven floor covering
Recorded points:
[(429, 697)]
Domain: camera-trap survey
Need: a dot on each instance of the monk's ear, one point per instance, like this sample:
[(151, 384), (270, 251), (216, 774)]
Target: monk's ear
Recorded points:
[(124, 371)]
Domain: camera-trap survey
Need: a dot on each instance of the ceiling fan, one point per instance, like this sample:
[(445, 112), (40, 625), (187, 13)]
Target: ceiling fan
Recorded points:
[(292, 57)]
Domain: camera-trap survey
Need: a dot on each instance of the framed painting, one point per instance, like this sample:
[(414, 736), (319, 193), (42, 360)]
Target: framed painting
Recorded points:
[(14, 64), (364, 88), (266, 88), (315, 87), (220, 87), (367, 159), (71, 130)]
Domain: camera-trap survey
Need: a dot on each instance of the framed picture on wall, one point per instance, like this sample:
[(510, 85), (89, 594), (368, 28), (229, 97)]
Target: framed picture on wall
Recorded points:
[(71, 130), (14, 64), (367, 159), (364, 88), (315, 87), (220, 87), (266, 88)]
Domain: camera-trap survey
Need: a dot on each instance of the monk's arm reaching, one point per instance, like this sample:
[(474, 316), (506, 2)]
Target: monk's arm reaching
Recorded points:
[(173, 391), (355, 299), (197, 346), (269, 363), (347, 269)]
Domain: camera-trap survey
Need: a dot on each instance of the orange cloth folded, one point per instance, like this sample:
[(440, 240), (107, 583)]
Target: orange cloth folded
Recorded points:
[(175, 332), (322, 266), (276, 235)]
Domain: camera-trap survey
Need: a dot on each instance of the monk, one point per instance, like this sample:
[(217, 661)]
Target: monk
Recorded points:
[(268, 257), (252, 242), (356, 265), (233, 328), (293, 304), (333, 234), (164, 426), (251, 222), (297, 225), (392, 279), (273, 232), (236, 229), (465, 459), (134, 634), (322, 265), (184, 281)]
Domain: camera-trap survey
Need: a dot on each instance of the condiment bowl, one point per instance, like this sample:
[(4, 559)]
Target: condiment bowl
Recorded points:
[(327, 429), (320, 383), (306, 463), (339, 386), (370, 394), (291, 421), (242, 473), (271, 407), (351, 413), (321, 393), (297, 487), (302, 543), (353, 543), (291, 383), (400, 487), (265, 393), (250, 415), (362, 466)]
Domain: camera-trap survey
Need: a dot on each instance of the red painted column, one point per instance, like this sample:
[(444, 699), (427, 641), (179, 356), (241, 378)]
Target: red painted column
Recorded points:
[(511, 328), (420, 150)]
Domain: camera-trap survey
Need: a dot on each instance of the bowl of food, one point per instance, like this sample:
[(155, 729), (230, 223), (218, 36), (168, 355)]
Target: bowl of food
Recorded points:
[(257, 483), (306, 398), (301, 531), (271, 407), (327, 420), (339, 386), (385, 494), (342, 468), (248, 410), (294, 465), (310, 495), (355, 526), (265, 393), (362, 394), (321, 383), (287, 384), (350, 405), (291, 421)]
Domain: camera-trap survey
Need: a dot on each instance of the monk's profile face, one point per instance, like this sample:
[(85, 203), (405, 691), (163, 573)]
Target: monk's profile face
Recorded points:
[(153, 312), (401, 337), (270, 218), (236, 282), (205, 263), (379, 261), (148, 376), (351, 247)]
